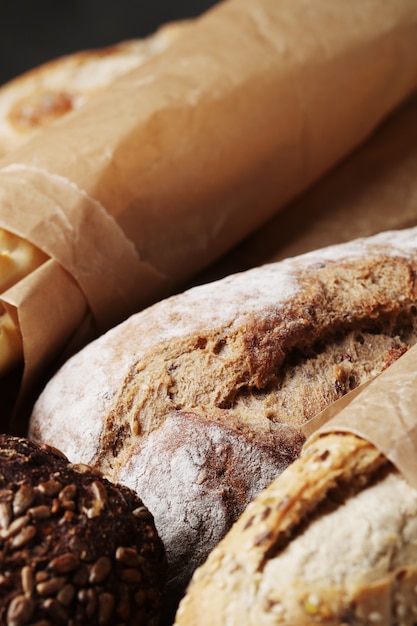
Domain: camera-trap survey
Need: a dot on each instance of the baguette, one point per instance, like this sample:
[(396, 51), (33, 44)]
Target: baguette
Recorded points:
[(32, 102), (190, 152), (252, 356), (331, 541)]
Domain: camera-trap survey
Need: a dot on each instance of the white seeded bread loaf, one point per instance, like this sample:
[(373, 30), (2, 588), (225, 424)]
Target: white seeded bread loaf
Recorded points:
[(239, 364), (333, 540)]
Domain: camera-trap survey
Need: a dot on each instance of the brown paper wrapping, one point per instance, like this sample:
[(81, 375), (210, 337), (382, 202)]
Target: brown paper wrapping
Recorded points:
[(181, 158), (383, 411), (372, 190)]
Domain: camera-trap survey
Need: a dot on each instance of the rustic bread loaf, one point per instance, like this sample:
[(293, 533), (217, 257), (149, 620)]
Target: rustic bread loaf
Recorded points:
[(253, 355), (333, 540), (76, 549)]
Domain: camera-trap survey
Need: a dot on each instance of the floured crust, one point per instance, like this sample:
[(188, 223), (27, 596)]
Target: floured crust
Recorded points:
[(47, 93), (331, 541), (265, 349)]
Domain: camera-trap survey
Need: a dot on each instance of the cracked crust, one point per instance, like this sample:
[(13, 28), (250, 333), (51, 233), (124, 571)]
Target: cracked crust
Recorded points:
[(331, 541), (266, 349)]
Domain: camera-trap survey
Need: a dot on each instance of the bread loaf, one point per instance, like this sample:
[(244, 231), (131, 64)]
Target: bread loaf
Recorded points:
[(152, 180), (332, 541), (75, 548), (32, 102), (238, 363)]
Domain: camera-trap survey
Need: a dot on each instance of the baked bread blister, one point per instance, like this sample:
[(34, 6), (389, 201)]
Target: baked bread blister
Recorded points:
[(76, 549), (333, 540), (238, 364)]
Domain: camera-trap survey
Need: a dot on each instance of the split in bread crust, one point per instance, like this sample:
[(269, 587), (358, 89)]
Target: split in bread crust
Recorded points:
[(259, 352), (331, 541)]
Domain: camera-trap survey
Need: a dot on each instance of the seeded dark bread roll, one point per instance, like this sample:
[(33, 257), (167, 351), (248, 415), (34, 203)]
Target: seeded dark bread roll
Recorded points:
[(76, 549), (333, 540), (267, 349)]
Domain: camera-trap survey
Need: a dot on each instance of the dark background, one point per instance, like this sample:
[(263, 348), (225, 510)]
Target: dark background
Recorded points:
[(35, 31)]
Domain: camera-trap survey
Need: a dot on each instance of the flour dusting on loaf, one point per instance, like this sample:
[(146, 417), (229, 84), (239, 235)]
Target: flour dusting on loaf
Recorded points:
[(262, 352)]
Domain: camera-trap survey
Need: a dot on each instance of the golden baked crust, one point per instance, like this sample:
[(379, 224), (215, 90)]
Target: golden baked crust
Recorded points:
[(331, 541)]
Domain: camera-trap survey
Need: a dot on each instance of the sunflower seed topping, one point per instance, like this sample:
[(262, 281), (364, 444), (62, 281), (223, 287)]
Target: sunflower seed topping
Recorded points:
[(127, 556), (142, 513), (15, 527), (20, 611), (56, 611), (23, 498), (66, 595), (65, 563), (23, 537), (50, 587), (39, 512), (100, 570), (27, 579), (130, 575), (105, 607), (50, 487), (5, 515)]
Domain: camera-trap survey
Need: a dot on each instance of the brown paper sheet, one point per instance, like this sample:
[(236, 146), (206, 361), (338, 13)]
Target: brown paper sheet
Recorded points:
[(384, 411), (373, 190), (183, 157)]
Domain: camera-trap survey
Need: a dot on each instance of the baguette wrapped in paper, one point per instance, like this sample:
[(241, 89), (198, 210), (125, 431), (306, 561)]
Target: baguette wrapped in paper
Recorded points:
[(184, 156)]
